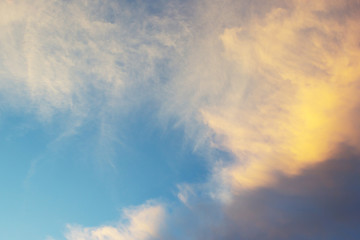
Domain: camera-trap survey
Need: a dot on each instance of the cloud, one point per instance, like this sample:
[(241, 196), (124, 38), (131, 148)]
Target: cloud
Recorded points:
[(322, 202), (47, 48), (277, 89), (295, 114), (272, 84), (81, 66), (319, 203), (142, 222), (77, 57)]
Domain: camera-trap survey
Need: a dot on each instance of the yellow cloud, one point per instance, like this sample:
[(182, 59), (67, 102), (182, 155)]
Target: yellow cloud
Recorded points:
[(299, 105)]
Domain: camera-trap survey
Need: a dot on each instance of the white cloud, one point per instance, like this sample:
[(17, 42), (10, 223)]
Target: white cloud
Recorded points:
[(140, 223)]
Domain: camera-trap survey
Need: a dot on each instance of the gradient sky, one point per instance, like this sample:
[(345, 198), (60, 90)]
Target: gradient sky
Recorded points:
[(172, 120)]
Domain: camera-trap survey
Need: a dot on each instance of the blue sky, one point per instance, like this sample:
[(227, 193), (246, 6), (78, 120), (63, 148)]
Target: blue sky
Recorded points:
[(74, 181), (142, 120)]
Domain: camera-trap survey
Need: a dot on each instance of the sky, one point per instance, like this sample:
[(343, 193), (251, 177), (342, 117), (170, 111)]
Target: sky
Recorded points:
[(172, 120)]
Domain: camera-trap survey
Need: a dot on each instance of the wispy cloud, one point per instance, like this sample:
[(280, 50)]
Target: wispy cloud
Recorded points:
[(78, 56), (78, 63)]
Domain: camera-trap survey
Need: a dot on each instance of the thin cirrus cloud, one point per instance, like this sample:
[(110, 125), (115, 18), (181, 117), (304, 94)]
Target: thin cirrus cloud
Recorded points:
[(272, 84), (76, 64), (77, 56), (52, 52)]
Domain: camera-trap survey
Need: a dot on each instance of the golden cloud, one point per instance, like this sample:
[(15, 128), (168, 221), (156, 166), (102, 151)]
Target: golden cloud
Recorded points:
[(303, 66)]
